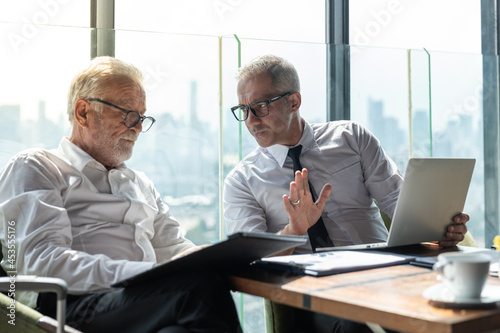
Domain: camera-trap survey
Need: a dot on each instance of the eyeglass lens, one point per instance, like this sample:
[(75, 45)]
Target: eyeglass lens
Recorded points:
[(133, 117), (259, 109)]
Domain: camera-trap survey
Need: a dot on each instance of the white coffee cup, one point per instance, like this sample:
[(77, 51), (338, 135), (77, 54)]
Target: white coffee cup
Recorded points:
[(464, 274)]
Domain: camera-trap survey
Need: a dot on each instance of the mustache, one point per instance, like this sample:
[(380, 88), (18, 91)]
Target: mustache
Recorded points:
[(256, 128), (130, 136)]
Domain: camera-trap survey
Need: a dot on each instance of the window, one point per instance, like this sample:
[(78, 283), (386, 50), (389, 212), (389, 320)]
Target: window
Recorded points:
[(416, 82), (178, 47), (196, 138), (445, 25), (293, 20), (39, 59), (415, 68)]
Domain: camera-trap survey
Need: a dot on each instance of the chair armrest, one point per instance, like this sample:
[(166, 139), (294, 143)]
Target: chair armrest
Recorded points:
[(40, 284)]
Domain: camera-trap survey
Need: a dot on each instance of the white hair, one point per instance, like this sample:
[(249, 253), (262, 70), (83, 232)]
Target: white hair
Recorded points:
[(283, 74), (94, 80)]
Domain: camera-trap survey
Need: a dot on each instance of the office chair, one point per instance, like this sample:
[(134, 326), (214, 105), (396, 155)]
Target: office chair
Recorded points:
[(25, 318)]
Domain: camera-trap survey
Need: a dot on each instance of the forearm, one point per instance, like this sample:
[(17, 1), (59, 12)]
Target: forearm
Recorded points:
[(44, 240), (83, 272)]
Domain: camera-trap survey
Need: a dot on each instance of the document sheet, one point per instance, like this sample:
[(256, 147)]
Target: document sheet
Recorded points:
[(334, 262)]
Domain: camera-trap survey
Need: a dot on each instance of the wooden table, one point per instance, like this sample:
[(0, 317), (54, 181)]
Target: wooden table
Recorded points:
[(390, 297)]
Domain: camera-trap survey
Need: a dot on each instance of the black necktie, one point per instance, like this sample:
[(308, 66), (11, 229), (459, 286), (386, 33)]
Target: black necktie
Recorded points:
[(318, 236)]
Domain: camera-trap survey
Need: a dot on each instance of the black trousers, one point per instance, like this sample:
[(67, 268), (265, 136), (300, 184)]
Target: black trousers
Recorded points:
[(187, 302), (312, 322), (320, 323)]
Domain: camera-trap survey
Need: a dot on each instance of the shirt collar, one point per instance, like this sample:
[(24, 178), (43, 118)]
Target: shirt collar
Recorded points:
[(280, 152), (78, 157)]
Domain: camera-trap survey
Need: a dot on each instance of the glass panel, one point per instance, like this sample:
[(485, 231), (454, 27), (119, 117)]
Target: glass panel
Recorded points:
[(275, 20), (419, 104), (34, 96), (271, 20), (445, 25), (446, 123), (379, 97), (36, 15), (310, 62), (457, 123), (180, 152)]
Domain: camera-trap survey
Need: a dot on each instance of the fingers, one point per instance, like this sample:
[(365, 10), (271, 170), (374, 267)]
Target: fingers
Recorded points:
[(294, 192), (287, 203), (299, 188), (301, 181), (290, 201), (447, 243), (461, 218), (294, 227), (455, 234), (324, 194), (456, 231), (302, 211)]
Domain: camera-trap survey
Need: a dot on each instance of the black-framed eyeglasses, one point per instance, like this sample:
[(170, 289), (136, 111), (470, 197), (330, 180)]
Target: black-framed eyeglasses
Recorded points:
[(132, 118), (258, 108)]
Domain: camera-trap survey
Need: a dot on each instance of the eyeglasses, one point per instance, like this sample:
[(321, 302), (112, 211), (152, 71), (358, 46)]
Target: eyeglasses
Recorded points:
[(259, 108), (131, 117)]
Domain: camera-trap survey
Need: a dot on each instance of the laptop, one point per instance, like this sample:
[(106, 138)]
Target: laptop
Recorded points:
[(237, 251), (433, 192)]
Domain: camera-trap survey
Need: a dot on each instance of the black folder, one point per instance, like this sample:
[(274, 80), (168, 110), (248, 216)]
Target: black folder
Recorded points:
[(239, 250)]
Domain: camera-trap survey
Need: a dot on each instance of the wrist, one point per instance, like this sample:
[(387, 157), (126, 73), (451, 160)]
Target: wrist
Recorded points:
[(289, 230), (282, 231)]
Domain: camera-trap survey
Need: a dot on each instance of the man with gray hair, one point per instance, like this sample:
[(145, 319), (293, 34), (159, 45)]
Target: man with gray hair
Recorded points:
[(81, 215), (341, 158)]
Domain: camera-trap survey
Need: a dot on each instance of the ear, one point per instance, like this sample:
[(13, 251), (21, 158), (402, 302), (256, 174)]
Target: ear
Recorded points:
[(295, 100), (82, 109)]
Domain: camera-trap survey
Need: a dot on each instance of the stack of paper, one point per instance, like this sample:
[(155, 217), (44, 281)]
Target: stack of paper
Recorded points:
[(333, 262)]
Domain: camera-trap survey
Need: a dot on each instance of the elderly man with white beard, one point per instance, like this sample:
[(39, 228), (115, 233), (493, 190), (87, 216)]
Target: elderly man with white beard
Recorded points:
[(82, 215)]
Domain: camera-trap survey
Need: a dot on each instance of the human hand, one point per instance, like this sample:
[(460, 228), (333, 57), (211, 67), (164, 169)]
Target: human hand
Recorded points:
[(302, 211), (456, 231), (189, 251)]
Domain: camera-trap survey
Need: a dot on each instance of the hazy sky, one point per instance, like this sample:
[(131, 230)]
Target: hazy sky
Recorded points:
[(41, 55)]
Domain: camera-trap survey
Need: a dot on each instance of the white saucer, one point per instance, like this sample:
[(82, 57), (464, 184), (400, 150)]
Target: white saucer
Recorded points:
[(441, 296)]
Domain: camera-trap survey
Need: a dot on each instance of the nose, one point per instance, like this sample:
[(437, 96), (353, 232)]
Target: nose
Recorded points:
[(137, 127), (251, 118)]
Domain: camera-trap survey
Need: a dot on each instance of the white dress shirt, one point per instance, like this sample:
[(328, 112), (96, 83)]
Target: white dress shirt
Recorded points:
[(341, 153), (78, 221)]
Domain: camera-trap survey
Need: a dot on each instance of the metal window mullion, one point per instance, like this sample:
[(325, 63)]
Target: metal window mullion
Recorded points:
[(102, 22), (490, 41), (337, 60)]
